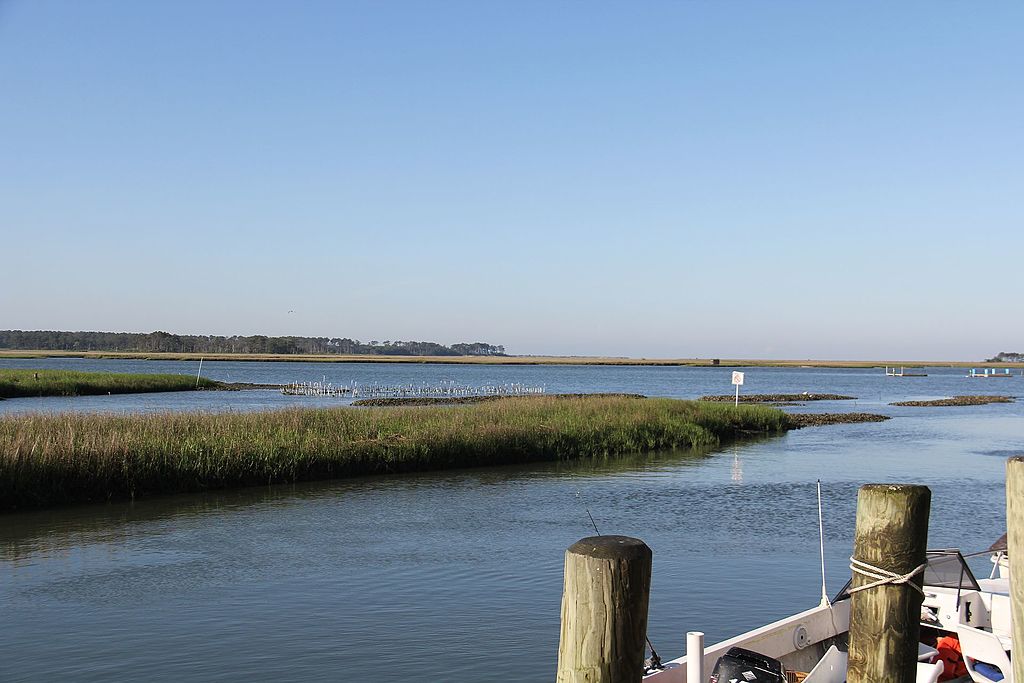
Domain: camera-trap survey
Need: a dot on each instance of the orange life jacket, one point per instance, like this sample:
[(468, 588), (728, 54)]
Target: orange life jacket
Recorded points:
[(952, 659)]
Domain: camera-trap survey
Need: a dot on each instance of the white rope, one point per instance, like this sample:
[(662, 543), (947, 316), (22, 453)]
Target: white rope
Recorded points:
[(882, 576)]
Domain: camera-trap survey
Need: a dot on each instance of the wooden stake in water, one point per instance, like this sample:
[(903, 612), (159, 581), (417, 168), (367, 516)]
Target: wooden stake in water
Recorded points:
[(604, 610), (200, 371)]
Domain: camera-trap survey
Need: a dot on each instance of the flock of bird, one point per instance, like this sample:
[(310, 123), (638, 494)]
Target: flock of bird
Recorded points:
[(441, 390)]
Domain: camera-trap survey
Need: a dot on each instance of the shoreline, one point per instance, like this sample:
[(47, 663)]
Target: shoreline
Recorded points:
[(498, 360), (776, 399), (956, 401)]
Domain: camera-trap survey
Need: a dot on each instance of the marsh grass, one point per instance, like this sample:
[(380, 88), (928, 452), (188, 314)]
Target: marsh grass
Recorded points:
[(64, 458), (23, 383)]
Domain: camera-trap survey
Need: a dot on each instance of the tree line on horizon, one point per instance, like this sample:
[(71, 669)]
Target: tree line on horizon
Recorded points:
[(165, 342), (1007, 357)]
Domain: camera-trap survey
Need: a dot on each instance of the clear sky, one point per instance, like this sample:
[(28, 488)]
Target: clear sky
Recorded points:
[(661, 179)]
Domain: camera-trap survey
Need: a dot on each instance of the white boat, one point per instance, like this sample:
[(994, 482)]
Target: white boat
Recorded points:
[(811, 646)]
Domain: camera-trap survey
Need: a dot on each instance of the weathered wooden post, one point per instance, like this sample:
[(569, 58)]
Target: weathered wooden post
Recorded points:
[(1015, 550), (604, 610), (889, 546)]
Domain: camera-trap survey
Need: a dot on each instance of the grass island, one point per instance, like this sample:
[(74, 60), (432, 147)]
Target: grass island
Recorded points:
[(25, 383), (66, 458)]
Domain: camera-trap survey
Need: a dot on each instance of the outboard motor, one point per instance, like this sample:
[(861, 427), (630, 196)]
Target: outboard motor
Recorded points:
[(744, 666)]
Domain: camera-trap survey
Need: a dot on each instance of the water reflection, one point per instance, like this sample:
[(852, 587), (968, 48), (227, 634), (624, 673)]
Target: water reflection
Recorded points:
[(460, 571), (737, 467), (49, 533)]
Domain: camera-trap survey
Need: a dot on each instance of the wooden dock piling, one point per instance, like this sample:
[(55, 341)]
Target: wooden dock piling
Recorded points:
[(604, 610), (891, 535), (1015, 550)]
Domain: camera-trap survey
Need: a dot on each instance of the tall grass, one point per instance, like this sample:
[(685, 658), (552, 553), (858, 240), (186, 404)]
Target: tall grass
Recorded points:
[(53, 459), (21, 383)]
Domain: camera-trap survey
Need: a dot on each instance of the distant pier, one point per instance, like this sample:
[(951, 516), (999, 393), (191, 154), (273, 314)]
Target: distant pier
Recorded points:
[(990, 373), (891, 372)]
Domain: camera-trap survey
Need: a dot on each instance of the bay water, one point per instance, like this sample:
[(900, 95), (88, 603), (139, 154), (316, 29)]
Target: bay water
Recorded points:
[(457, 575)]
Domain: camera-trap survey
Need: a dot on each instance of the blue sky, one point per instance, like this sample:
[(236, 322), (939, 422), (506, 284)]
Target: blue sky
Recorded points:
[(659, 179)]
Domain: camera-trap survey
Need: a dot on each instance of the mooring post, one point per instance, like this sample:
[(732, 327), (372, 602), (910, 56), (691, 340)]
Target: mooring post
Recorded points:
[(890, 543), (1015, 550), (604, 610)]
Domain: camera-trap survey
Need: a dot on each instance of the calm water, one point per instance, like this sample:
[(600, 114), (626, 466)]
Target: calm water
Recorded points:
[(871, 387), (455, 575)]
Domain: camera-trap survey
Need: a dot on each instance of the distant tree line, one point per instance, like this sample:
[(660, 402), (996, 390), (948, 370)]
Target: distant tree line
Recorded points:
[(1007, 357), (164, 342)]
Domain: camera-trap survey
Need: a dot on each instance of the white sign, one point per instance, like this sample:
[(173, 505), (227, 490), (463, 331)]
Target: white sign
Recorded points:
[(737, 378)]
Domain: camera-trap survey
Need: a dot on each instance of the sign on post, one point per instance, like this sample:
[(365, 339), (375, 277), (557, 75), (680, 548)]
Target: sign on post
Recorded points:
[(737, 379)]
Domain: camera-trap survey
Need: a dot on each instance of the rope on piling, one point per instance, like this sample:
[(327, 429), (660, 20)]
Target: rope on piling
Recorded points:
[(883, 576)]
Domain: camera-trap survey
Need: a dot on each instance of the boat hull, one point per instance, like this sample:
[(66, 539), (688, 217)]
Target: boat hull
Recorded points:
[(798, 641)]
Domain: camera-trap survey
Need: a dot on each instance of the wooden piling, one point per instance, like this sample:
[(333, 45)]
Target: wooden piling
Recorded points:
[(1015, 551), (604, 610), (891, 534)]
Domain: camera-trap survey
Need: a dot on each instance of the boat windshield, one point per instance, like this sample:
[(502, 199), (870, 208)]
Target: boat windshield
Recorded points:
[(945, 568), (948, 569)]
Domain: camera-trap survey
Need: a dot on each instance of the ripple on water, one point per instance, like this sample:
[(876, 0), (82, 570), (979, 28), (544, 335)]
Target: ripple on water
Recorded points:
[(460, 572)]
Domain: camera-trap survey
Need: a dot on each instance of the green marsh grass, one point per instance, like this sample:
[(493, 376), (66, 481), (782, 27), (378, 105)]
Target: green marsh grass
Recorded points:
[(64, 458), (22, 383)]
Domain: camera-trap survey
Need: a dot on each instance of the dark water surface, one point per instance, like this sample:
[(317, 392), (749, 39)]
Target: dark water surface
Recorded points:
[(457, 575)]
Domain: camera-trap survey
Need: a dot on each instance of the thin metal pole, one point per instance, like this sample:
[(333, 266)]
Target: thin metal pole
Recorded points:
[(821, 543)]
